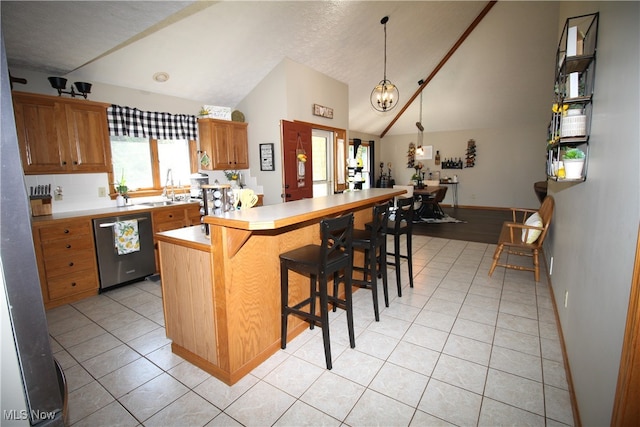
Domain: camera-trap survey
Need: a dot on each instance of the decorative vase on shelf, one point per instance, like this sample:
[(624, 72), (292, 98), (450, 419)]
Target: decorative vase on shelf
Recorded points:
[(573, 123)]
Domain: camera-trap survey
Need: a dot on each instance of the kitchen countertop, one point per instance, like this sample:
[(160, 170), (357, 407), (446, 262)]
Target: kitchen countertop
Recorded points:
[(281, 215), (188, 236), (102, 212)]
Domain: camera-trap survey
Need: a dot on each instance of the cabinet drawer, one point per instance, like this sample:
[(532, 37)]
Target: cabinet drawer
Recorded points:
[(168, 219), (67, 264), (71, 284), (66, 231), (168, 215), (55, 248)]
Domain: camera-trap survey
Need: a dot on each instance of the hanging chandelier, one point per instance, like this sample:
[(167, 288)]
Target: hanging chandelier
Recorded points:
[(385, 95)]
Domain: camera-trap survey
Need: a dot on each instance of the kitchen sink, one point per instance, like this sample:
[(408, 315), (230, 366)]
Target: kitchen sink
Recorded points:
[(162, 203), (165, 203)]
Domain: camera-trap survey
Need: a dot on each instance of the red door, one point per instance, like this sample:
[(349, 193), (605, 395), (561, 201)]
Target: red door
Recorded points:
[(296, 148)]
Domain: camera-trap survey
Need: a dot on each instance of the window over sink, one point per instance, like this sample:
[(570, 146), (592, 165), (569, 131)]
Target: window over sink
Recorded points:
[(144, 162)]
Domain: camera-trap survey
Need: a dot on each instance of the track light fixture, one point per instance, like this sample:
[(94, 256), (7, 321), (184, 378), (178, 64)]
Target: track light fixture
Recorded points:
[(385, 94), (60, 83)]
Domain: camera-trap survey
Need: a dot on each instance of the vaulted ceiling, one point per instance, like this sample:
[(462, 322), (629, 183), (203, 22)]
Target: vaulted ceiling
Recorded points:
[(217, 52)]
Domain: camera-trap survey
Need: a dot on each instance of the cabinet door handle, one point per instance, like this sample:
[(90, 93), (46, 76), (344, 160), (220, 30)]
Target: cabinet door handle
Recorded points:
[(71, 264), (170, 215), (73, 284), (66, 231), (64, 163), (75, 162), (68, 246)]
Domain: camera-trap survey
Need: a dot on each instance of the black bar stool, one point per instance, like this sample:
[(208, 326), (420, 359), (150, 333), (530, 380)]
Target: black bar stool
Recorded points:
[(333, 256), (373, 241), (402, 223)]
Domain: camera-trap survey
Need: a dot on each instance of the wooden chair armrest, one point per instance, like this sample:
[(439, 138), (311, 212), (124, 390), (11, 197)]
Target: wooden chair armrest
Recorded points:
[(519, 228)]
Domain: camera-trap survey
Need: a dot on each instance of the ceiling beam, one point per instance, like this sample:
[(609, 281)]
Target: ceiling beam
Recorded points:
[(444, 60)]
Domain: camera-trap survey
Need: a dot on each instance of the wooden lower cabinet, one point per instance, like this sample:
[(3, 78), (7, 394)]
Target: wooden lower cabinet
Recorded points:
[(66, 254), (172, 217), (189, 306), (67, 264)]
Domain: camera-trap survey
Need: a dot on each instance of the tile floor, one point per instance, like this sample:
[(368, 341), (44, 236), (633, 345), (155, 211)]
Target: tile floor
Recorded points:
[(459, 348)]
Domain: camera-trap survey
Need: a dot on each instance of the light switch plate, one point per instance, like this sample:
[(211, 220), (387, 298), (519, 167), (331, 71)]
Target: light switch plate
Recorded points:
[(102, 192)]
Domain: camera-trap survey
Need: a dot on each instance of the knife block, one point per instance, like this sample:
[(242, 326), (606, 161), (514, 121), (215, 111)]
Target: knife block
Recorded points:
[(40, 207)]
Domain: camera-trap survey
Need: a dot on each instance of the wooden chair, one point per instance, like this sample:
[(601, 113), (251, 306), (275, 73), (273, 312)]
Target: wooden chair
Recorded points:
[(432, 207), (519, 236)]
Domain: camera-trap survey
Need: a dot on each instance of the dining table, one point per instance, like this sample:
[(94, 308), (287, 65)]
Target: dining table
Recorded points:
[(426, 210)]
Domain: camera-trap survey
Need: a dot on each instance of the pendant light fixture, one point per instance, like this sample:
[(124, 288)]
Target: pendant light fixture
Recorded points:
[(420, 149), (385, 95)]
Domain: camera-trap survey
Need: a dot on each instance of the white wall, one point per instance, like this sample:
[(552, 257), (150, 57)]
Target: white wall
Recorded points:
[(595, 227), (520, 38), (38, 83), (508, 162), (288, 92)]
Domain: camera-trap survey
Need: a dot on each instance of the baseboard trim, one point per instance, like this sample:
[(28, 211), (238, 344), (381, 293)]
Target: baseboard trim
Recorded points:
[(565, 358)]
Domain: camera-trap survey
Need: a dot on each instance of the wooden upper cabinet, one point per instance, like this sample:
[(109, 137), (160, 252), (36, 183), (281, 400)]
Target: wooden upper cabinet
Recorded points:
[(225, 142), (61, 135), (38, 135), (88, 137)]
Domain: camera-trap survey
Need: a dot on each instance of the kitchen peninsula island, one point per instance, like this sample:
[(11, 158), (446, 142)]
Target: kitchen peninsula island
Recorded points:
[(221, 293)]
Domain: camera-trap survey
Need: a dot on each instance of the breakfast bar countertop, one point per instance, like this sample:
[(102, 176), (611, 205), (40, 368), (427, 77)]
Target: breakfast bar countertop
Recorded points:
[(281, 215), (222, 304)]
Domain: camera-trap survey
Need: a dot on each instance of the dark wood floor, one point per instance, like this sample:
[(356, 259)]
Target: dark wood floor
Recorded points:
[(482, 225)]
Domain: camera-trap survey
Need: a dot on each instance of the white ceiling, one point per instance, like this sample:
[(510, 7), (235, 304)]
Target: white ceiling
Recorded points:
[(217, 52)]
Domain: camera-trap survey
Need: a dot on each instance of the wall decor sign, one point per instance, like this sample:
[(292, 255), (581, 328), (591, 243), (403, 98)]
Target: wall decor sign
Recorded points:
[(319, 110), (266, 157)]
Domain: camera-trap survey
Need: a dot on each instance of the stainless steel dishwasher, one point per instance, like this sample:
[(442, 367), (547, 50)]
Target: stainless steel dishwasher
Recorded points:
[(115, 268)]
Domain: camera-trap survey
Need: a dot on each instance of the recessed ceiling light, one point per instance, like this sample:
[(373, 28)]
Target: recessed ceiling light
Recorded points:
[(161, 77)]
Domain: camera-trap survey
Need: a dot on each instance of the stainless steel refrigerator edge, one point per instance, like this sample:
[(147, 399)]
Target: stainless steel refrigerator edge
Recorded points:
[(33, 361)]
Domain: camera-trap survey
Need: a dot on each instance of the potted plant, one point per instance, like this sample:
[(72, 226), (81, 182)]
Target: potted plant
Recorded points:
[(233, 177), (573, 159), (121, 189), (417, 177)]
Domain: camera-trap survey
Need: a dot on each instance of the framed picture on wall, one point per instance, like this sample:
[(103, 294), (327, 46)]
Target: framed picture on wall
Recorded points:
[(266, 157)]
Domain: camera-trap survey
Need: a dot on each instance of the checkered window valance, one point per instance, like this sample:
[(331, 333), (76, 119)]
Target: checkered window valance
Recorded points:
[(126, 121)]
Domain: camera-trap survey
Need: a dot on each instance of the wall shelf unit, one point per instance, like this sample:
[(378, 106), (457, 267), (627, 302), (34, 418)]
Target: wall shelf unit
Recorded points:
[(570, 124)]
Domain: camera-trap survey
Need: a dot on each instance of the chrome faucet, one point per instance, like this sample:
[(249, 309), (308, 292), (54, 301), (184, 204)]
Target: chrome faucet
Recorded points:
[(166, 185)]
